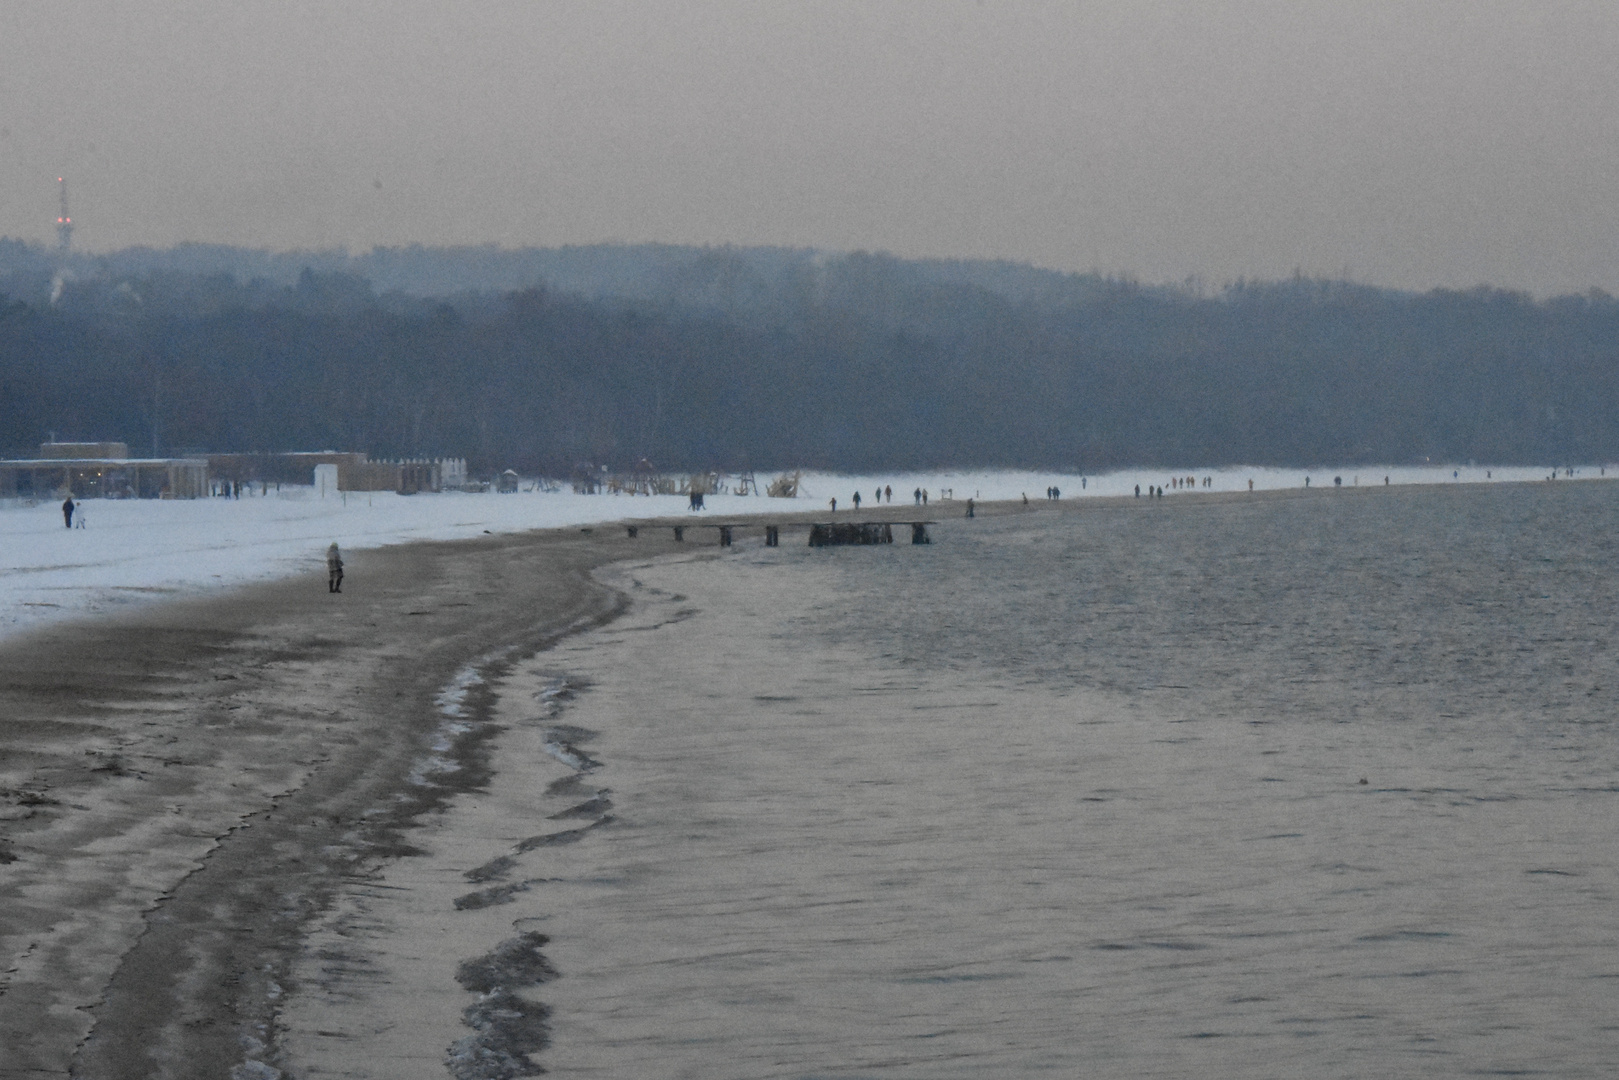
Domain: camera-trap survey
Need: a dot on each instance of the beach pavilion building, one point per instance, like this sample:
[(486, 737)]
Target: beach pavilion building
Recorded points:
[(101, 470)]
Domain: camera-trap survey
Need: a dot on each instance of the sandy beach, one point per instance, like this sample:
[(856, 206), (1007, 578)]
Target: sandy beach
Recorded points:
[(182, 787)]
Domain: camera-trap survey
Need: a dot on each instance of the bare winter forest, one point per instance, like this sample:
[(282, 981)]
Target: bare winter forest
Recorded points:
[(733, 357)]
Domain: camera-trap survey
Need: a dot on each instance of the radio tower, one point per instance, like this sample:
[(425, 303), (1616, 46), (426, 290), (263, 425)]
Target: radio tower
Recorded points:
[(64, 224)]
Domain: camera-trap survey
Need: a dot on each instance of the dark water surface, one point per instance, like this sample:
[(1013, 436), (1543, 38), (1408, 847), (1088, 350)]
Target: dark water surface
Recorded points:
[(1080, 792)]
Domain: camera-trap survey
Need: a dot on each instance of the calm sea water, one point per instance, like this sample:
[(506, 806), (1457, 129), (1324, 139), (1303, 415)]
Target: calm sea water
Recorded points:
[(1318, 786)]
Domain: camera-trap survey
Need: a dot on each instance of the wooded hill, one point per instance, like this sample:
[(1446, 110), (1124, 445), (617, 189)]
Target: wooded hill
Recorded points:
[(775, 358)]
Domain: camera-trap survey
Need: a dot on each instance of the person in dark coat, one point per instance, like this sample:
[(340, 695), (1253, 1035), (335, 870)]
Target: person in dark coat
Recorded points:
[(334, 569), (67, 512)]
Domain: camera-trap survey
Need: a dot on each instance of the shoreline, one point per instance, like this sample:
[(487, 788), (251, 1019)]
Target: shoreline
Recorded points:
[(138, 552)]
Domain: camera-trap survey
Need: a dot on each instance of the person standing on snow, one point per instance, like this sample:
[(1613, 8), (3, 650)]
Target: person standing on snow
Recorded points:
[(67, 512), (334, 569)]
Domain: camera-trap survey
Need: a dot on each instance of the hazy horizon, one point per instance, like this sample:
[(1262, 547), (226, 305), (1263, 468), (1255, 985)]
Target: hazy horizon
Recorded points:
[(1451, 144)]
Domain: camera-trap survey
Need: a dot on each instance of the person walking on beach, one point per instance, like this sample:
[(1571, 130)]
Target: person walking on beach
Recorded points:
[(834, 504), (334, 569), (67, 512), (917, 495), (969, 508), (888, 492), (857, 500)]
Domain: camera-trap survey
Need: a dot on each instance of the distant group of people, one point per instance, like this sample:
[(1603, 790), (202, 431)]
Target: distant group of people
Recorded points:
[(72, 513), (881, 495)]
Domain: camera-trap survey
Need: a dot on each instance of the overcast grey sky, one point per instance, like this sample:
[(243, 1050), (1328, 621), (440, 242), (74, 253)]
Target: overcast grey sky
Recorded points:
[(1433, 142)]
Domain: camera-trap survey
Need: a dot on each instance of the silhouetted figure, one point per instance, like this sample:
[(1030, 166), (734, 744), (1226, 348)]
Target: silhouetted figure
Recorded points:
[(334, 569), (1306, 481), (834, 504), (1337, 481), (1385, 481), (969, 508), (924, 496), (1056, 493), (888, 491), (917, 495), (857, 500), (67, 512), (1250, 485), (1138, 491)]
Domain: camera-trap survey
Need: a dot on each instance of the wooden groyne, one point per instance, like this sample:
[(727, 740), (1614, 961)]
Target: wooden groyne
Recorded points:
[(831, 533)]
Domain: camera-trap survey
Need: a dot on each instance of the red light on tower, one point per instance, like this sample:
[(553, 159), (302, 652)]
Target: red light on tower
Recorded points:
[(64, 223)]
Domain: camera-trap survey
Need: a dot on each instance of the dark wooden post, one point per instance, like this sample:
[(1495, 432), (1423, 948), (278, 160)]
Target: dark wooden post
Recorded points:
[(633, 531), (772, 536), (919, 532), (725, 536), (680, 532)]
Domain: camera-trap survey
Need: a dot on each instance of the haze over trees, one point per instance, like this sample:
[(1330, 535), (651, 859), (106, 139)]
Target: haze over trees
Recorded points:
[(773, 358)]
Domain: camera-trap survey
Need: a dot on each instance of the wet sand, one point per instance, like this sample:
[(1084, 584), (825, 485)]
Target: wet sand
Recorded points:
[(181, 789)]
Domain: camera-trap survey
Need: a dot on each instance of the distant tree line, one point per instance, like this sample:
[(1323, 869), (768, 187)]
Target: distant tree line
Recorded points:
[(773, 358)]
